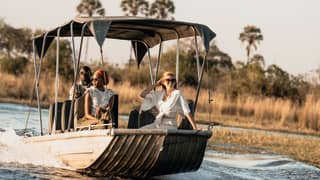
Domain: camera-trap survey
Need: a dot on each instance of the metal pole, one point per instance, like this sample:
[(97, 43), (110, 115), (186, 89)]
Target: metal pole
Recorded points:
[(158, 62), (73, 49), (56, 83), (76, 72), (199, 84), (150, 67), (197, 52), (177, 62), (37, 77)]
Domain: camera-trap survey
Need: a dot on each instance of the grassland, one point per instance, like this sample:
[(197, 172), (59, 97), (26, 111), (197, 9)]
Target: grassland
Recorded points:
[(244, 111)]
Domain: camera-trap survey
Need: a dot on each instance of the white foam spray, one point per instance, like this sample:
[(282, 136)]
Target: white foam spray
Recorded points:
[(14, 150)]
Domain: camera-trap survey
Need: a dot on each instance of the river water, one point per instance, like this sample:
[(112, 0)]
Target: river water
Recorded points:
[(18, 161)]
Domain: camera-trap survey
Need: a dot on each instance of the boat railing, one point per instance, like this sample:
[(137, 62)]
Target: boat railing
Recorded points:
[(96, 126)]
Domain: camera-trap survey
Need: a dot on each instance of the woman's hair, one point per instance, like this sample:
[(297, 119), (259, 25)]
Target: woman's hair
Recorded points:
[(87, 75), (103, 75), (87, 70)]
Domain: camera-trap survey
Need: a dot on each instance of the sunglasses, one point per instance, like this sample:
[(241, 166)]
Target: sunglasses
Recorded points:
[(96, 79), (170, 80)]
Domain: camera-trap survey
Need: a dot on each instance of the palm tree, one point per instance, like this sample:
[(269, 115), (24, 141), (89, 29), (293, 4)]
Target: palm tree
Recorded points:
[(135, 7), (89, 8), (162, 9), (251, 35)]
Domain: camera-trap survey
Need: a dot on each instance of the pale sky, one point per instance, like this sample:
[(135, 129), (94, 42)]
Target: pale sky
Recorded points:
[(291, 28)]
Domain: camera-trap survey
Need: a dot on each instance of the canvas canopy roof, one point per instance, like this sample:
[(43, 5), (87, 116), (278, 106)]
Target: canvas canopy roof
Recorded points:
[(144, 33)]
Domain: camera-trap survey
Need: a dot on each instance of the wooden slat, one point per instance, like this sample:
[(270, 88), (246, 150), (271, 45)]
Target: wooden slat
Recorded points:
[(144, 153)]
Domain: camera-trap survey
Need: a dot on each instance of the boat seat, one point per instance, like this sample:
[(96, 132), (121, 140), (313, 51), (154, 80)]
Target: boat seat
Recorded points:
[(58, 124), (80, 112), (185, 124), (66, 112), (146, 117)]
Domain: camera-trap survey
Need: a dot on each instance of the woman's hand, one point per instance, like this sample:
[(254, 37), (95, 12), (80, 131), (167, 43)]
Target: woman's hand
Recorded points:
[(158, 83), (170, 85), (99, 111)]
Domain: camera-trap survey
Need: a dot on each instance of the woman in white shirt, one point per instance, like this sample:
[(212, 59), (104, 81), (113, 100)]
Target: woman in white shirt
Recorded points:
[(169, 102), (98, 99)]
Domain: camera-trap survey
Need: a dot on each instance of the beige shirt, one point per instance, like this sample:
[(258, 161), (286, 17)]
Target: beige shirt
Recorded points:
[(99, 98), (168, 109)]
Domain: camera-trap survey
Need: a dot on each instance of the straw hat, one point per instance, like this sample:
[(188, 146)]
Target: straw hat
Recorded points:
[(167, 75)]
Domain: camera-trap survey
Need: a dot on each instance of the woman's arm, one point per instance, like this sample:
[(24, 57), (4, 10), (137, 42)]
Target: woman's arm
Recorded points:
[(146, 91), (191, 120), (111, 102), (186, 110), (87, 107)]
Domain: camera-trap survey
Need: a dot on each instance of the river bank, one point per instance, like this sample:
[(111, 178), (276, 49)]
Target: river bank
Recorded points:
[(300, 148)]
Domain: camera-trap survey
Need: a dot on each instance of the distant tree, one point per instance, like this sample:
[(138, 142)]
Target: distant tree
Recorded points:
[(14, 66), (278, 81), (219, 59), (162, 9), (318, 74), (15, 42), (135, 7), (251, 35), (89, 8), (65, 59), (257, 59)]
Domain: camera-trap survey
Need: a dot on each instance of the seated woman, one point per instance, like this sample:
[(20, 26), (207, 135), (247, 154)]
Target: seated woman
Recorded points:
[(98, 99), (83, 84), (169, 102)]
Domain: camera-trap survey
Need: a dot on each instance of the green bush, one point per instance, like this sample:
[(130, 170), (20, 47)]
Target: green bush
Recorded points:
[(14, 65)]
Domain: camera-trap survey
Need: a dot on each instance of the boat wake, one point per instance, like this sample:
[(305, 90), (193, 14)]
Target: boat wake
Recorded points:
[(14, 150)]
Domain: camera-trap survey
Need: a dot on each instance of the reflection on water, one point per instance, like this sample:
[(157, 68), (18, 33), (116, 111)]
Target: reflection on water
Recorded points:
[(16, 160)]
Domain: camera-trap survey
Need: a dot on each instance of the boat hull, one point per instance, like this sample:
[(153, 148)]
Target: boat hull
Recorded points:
[(136, 153), (151, 152)]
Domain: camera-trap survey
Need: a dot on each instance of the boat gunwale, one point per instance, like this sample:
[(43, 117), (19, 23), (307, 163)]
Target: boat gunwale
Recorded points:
[(116, 132)]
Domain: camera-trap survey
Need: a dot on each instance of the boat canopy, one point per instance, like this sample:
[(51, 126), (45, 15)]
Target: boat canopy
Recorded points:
[(144, 33)]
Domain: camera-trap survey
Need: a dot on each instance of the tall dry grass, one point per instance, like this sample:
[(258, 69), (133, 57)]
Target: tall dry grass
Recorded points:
[(259, 112), (20, 88)]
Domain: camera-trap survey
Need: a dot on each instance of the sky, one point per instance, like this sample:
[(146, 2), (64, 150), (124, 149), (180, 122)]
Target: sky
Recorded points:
[(291, 28)]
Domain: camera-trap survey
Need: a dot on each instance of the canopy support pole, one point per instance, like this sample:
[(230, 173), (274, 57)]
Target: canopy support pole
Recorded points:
[(76, 73), (199, 84), (56, 83), (158, 62), (197, 52), (73, 49), (150, 66), (177, 62), (37, 70), (177, 57)]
